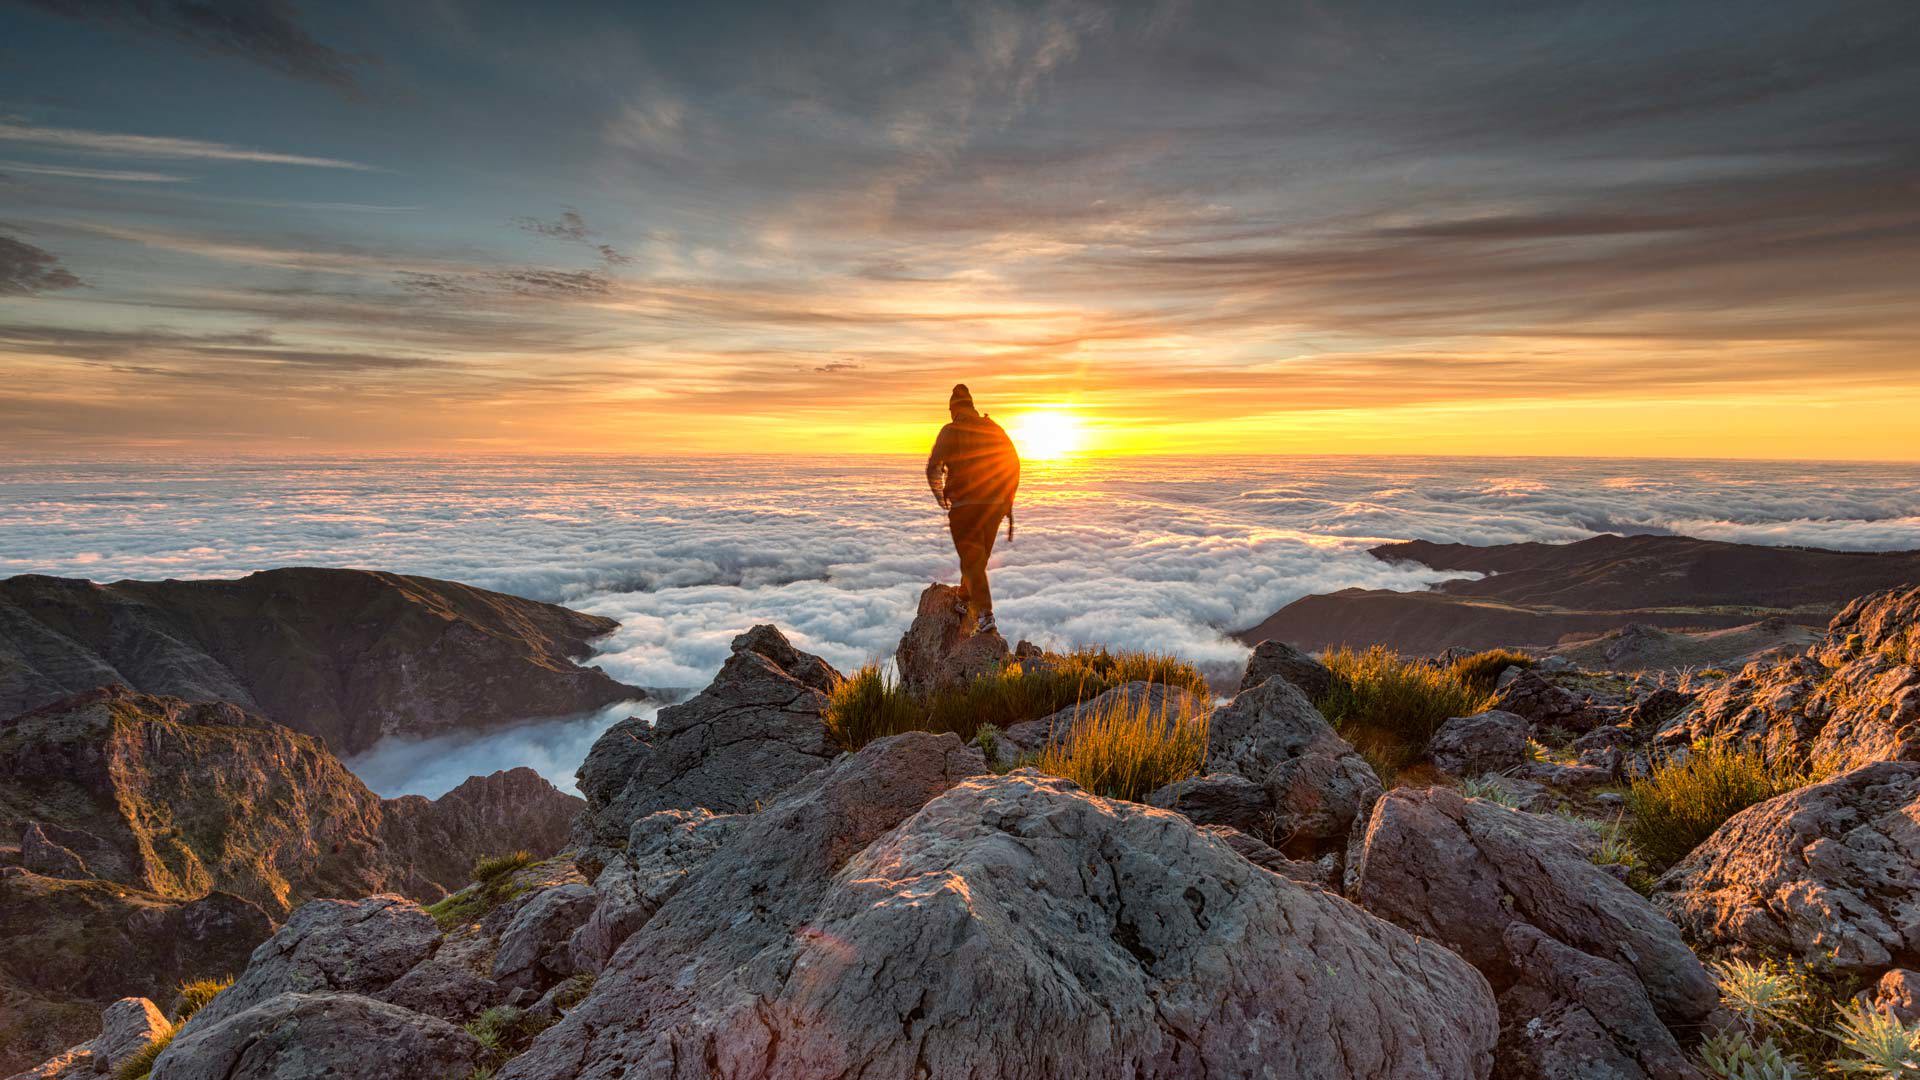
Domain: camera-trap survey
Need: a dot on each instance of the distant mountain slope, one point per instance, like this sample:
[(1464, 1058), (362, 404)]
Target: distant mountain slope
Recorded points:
[(348, 655), (1536, 594)]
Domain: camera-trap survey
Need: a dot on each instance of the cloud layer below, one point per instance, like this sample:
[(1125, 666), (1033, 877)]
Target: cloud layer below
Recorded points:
[(1164, 554)]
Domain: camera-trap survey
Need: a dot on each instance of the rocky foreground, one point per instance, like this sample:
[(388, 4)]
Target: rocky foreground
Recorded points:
[(743, 900)]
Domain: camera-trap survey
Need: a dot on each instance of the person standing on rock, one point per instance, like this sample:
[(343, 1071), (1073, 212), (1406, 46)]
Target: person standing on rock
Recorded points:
[(974, 471)]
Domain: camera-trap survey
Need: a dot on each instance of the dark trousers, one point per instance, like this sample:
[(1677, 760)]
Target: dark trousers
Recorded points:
[(974, 527)]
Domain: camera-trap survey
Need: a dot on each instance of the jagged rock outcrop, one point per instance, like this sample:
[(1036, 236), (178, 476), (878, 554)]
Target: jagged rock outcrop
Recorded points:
[(433, 843), (1573, 1016), (754, 730), (348, 655), (1852, 700), (1277, 659), (903, 913), (179, 798), (663, 849), (940, 648), (73, 946), (1462, 870), (1486, 742), (535, 949), (1829, 873), (324, 1034)]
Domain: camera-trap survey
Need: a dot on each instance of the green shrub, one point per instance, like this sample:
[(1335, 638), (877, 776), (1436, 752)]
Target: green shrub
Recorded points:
[(1389, 706), (1875, 1044), (1128, 747), (1733, 1055), (141, 1063), (1481, 670), (1682, 802), (194, 994), (492, 886), (867, 706)]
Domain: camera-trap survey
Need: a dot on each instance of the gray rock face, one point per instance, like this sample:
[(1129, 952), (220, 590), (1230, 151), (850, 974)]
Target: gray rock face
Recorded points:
[(1014, 927), (358, 947), (1277, 659), (663, 850), (1158, 698), (1486, 742), (756, 729), (1830, 872), (41, 855), (126, 1026), (301, 1036), (534, 951), (1531, 695), (1571, 1016), (1316, 783), (1218, 799), (1323, 872), (1461, 870), (940, 649), (655, 1008)]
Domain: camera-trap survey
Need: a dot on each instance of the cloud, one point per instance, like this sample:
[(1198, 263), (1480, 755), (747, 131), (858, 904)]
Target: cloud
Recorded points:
[(263, 32), (573, 228), (529, 281), (121, 175), (837, 365), (160, 146), (437, 764), (26, 269)]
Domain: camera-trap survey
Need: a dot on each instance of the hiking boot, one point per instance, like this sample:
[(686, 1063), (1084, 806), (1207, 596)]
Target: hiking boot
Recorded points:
[(986, 625)]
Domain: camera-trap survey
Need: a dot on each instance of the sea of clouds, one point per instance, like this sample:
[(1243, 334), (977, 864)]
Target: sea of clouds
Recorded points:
[(1163, 554)]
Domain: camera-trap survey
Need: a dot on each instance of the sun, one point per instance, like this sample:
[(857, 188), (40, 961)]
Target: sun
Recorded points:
[(1047, 434)]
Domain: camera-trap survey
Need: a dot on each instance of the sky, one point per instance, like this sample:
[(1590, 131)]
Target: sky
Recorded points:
[(1607, 228)]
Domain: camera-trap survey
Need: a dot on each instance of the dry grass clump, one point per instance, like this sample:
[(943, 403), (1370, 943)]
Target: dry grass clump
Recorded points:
[(1673, 810), (140, 1064), (867, 705), (1481, 670), (194, 994), (1388, 705), (492, 886), (1127, 747)]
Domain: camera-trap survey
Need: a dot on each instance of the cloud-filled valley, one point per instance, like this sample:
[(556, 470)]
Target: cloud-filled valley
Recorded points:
[(1166, 554)]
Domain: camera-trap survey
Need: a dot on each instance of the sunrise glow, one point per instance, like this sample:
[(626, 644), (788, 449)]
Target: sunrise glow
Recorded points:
[(1048, 434)]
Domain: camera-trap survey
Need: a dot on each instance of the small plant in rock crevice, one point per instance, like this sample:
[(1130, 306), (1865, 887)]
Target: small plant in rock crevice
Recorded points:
[(492, 886)]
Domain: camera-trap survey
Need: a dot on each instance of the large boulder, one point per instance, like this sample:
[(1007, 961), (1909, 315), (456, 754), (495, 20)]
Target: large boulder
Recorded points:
[(1486, 742), (1218, 799), (1533, 695), (535, 951), (358, 947), (1850, 701), (1572, 1016), (1462, 870), (294, 1036), (754, 894), (126, 1026), (1277, 659), (663, 850), (940, 649), (754, 730), (1829, 873), (1014, 927), (1316, 782)]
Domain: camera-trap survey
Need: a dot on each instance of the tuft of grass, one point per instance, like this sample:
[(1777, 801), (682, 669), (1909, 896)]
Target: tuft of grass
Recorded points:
[(141, 1063), (503, 1032), (574, 991), (1481, 670), (1875, 1043), (1675, 809), (868, 706), (1485, 787), (194, 994), (1389, 706), (1125, 748), (492, 886)]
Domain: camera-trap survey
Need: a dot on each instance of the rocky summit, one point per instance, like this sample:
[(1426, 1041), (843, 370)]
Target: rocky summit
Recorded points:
[(742, 896), (347, 655)]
